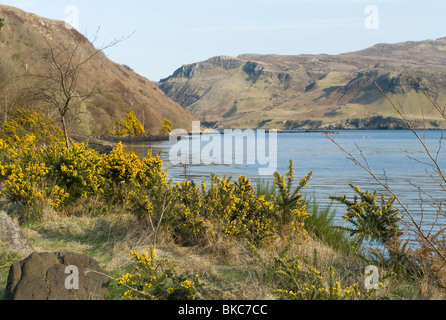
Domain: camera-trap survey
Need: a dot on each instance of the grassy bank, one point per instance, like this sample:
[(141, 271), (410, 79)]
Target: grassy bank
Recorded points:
[(227, 269)]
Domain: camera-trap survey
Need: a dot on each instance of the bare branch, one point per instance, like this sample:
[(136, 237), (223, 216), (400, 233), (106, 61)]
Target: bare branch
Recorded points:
[(409, 125), (59, 83)]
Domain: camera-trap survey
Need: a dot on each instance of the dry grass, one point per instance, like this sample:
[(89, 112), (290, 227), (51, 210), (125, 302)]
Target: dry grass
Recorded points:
[(228, 269)]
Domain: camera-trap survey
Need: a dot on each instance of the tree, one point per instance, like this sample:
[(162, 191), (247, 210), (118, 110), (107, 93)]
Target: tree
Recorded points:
[(2, 23), (65, 67)]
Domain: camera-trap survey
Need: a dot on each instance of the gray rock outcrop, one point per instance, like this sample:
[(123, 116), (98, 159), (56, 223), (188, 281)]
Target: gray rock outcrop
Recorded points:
[(11, 238), (56, 276)]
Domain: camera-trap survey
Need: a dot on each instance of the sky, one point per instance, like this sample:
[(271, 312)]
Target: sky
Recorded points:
[(161, 36)]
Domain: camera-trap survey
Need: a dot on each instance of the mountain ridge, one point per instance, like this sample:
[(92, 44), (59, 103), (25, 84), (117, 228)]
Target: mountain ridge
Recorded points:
[(314, 91)]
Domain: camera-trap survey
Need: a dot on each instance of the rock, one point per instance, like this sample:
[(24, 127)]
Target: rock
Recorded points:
[(12, 238), (50, 276)]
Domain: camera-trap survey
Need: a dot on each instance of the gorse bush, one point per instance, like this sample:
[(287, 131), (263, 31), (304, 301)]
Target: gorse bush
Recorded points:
[(240, 212), (149, 186), (23, 174), (372, 219), (307, 283), (167, 125), (299, 280), (77, 171), (191, 224), (151, 280), (375, 219), (25, 122), (234, 210), (129, 125), (292, 208), (120, 170)]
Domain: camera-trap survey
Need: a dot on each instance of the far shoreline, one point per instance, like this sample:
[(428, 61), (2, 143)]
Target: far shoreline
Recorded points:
[(105, 144)]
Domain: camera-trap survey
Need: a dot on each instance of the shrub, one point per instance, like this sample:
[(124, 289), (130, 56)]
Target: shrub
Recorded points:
[(189, 221), (151, 195), (120, 170), (25, 184), (7, 156), (371, 219), (299, 281), (237, 212), (167, 126), (231, 210), (151, 280), (376, 220), (25, 122), (250, 217), (20, 167), (25, 178), (77, 171), (130, 125), (196, 215), (292, 209)]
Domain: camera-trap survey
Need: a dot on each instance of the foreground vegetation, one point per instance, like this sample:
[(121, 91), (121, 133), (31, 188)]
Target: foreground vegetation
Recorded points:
[(226, 240)]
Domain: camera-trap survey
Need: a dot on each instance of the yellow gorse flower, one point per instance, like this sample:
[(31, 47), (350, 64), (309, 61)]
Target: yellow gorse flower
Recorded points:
[(151, 280)]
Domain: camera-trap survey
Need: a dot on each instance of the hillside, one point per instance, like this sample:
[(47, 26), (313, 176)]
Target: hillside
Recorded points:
[(314, 91), (24, 44)]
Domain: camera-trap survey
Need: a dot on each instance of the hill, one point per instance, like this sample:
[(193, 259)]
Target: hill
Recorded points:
[(314, 91), (24, 49)]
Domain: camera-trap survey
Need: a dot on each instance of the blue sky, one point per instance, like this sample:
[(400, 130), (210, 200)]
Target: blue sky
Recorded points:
[(167, 34)]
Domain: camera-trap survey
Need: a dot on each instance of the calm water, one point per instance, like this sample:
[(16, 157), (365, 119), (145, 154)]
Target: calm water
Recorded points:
[(385, 150)]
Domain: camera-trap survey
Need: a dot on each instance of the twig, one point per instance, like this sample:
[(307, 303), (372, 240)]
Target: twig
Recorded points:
[(407, 122)]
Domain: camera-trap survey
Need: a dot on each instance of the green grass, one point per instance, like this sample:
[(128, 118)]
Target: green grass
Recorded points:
[(322, 226), (6, 260), (265, 188), (230, 113)]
